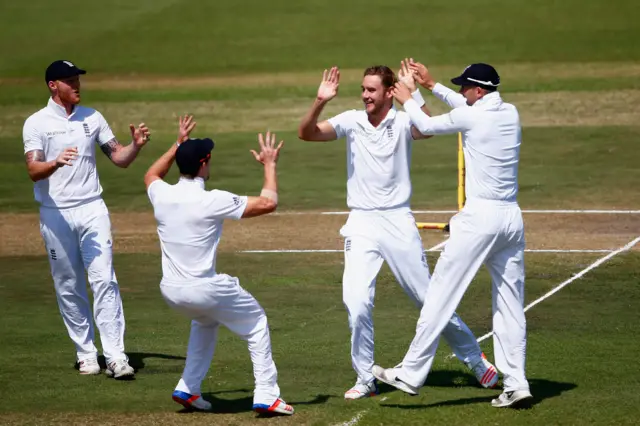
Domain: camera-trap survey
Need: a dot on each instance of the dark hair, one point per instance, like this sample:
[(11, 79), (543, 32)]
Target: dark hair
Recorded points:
[(385, 73)]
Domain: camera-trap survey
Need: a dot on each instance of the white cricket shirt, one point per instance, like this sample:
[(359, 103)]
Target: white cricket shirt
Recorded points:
[(491, 138), (190, 225), (378, 159), (51, 130)]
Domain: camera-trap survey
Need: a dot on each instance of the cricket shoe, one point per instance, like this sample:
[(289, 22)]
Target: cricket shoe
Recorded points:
[(389, 376), (89, 366), (278, 407), (362, 390), (120, 369), (191, 402), (514, 399), (485, 372)]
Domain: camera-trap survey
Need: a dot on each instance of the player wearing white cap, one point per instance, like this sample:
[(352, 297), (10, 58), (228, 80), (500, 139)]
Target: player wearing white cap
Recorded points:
[(59, 146), (489, 230), (381, 226), (190, 222)]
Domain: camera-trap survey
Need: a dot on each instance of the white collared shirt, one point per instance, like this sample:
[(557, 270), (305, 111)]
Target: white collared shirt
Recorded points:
[(491, 138), (190, 222), (378, 159), (51, 130)]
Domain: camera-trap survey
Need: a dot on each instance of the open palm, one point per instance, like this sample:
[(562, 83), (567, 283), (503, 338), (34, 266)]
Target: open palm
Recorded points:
[(329, 87)]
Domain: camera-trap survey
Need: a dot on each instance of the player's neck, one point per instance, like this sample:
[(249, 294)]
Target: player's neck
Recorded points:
[(68, 107), (376, 119)]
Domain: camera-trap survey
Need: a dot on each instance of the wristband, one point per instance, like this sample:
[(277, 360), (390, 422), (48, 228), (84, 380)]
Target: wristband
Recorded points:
[(272, 195), (417, 96)]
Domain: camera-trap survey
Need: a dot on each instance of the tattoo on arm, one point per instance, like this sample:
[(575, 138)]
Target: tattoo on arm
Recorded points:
[(110, 147), (35, 156)]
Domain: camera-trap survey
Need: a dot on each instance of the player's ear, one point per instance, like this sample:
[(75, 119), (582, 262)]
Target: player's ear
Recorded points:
[(53, 86)]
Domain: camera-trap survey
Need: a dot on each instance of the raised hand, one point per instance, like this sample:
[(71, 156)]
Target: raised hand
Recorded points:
[(186, 125), (66, 157), (329, 87), (401, 92), (421, 74), (405, 75), (140, 135), (269, 152)]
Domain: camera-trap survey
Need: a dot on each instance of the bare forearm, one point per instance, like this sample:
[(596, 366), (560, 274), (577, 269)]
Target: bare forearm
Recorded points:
[(39, 170), (270, 177), (124, 156), (309, 125), (162, 165)]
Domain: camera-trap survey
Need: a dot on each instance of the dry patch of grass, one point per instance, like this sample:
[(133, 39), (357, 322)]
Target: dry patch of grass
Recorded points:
[(545, 109), (538, 72), (136, 232)]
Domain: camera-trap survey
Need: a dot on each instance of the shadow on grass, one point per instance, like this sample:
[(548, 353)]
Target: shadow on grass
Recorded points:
[(245, 403), (136, 359), (541, 389)]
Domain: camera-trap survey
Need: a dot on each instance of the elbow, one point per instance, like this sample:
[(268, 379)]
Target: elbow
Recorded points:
[(302, 134), (33, 177), (270, 206)]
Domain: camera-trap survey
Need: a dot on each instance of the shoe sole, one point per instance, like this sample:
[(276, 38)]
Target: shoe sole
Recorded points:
[(364, 395), (126, 376), (395, 385), (187, 405), (89, 373), (523, 402)]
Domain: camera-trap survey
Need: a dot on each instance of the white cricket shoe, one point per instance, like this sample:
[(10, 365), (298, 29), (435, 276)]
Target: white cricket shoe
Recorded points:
[(389, 376), (278, 407), (120, 369), (191, 402), (485, 372), (89, 366), (511, 398), (362, 390)]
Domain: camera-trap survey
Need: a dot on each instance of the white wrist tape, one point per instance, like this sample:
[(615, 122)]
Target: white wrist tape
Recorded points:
[(272, 195), (417, 96)]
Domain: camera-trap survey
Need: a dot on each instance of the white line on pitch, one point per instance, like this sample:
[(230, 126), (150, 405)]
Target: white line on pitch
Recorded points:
[(354, 420), (455, 211), (567, 282), (436, 248)]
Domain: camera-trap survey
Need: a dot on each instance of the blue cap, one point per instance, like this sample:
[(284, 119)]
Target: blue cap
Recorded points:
[(192, 153), (480, 75), (61, 69)]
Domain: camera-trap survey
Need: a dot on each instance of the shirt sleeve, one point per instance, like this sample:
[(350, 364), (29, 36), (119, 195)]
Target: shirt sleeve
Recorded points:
[(104, 131), (226, 205), (155, 189), (453, 122), (341, 123), (31, 137), (448, 96)]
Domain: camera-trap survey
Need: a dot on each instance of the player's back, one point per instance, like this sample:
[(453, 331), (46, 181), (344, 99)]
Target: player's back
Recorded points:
[(492, 148), (190, 223)]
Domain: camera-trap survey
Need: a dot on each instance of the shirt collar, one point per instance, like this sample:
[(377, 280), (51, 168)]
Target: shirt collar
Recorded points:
[(391, 115), (488, 100), (59, 109), (199, 182)]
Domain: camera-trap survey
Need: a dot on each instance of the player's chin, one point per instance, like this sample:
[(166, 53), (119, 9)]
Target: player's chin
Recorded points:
[(369, 107)]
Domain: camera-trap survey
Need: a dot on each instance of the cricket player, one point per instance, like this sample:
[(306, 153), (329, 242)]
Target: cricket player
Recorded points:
[(190, 222), (60, 151), (489, 230), (380, 226)]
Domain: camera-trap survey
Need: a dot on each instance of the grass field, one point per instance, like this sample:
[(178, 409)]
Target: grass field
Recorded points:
[(571, 67)]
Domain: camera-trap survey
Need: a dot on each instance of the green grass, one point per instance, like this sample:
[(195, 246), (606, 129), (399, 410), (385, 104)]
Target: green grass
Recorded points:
[(581, 345), (560, 168)]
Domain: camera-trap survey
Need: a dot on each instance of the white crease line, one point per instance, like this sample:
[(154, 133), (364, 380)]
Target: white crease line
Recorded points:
[(354, 420), (434, 249), (456, 211), (438, 246), (567, 282)]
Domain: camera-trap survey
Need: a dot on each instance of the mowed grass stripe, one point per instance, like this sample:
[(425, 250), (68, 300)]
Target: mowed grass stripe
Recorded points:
[(612, 108)]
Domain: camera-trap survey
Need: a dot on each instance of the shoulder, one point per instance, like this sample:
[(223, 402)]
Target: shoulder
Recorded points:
[(88, 112), (36, 118)]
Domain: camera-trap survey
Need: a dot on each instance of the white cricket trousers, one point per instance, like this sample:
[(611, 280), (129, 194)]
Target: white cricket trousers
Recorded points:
[(372, 237), (79, 239), (489, 232), (215, 302)]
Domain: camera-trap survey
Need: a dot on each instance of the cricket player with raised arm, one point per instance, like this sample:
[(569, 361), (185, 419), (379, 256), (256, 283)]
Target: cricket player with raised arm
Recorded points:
[(488, 230), (190, 221), (60, 151), (381, 226)]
